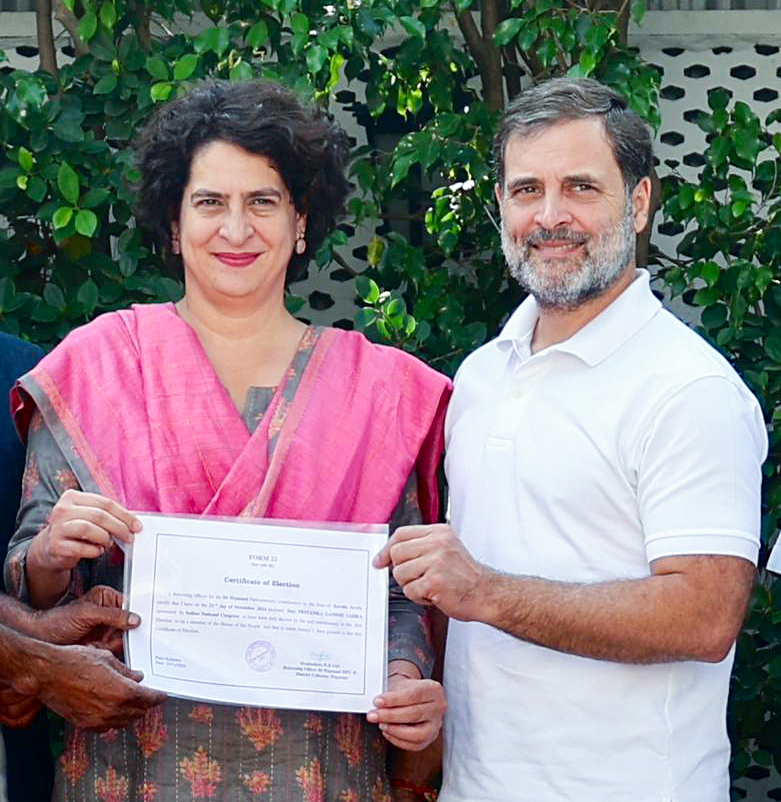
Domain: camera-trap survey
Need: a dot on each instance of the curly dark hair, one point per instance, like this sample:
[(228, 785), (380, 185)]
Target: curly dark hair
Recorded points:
[(307, 147)]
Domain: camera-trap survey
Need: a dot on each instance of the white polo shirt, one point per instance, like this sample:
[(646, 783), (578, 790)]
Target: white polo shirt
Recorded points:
[(633, 440)]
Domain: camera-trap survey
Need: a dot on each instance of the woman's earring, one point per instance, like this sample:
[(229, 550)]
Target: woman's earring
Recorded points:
[(300, 243), (175, 246)]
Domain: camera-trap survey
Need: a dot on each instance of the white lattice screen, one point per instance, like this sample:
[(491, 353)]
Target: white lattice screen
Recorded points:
[(751, 73)]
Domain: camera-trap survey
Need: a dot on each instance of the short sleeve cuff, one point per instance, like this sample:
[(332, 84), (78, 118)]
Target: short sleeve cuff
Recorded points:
[(726, 542)]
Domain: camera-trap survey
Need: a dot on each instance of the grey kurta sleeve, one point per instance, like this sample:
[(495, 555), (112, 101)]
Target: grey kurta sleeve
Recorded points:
[(47, 475)]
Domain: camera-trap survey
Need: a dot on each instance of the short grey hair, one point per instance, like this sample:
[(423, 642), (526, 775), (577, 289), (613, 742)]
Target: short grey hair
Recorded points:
[(565, 99)]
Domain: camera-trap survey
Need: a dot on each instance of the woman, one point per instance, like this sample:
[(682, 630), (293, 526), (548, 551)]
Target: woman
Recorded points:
[(225, 404)]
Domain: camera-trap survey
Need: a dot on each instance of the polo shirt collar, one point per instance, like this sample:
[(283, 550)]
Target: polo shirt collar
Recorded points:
[(600, 337)]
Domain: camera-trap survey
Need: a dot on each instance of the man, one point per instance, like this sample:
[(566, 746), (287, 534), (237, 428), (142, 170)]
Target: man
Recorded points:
[(86, 685), (29, 765), (604, 469)]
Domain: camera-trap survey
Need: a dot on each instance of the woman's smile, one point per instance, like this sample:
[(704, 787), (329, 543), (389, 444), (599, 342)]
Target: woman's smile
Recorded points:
[(237, 259)]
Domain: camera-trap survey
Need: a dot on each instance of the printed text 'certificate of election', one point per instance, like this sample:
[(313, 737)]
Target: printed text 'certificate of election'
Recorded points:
[(268, 614)]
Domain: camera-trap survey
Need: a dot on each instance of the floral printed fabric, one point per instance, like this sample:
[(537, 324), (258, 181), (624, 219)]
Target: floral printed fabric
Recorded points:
[(185, 750)]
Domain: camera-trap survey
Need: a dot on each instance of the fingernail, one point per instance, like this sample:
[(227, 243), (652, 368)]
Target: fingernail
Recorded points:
[(133, 620), (379, 701), (136, 526), (372, 717)]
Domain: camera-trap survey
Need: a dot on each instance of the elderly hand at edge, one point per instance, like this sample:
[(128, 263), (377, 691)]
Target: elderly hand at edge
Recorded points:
[(410, 712), (16, 709), (94, 619)]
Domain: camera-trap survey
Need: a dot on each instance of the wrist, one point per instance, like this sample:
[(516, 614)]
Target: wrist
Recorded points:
[(28, 664), (421, 793), (404, 668), (18, 616), (45, 584), (487, 595)]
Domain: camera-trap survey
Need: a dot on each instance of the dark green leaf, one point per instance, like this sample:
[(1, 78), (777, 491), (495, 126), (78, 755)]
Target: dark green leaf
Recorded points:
[(106, 84), (108, 14), (43, 313), (36, 188), (53, 296), (257, 35), (315, 58), (185, 67), (94, 197), (102, 47), (773, 346), (747, 144), (8, 176), (299, 23), (364, 318), (87, 295), (414, 27), (68, 183), (366, 22), (367, 289), (168, 289), (718, 98), (507, 30), (710, 273), (157, 68)]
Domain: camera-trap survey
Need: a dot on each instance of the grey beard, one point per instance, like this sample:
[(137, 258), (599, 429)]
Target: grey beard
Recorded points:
[(603, 261)]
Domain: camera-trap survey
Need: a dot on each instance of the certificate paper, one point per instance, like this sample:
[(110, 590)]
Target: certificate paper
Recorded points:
[(269, 614)]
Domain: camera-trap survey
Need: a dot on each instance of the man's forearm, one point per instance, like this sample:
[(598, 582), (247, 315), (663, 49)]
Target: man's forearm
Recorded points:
[(18, 616), (661, 618), (690, 608), (21, 661)]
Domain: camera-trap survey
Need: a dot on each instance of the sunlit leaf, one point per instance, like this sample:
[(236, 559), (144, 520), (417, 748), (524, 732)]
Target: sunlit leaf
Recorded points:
[(62, 216), (87, 26), (86, 222)]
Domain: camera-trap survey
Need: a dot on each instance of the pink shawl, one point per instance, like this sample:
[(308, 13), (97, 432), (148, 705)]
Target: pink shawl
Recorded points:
[(135, 396)]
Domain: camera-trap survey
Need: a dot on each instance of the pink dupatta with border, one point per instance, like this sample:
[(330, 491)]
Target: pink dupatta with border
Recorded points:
[(135, 396)]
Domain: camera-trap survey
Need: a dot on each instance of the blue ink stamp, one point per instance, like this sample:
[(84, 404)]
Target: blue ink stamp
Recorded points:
[(260, 655)]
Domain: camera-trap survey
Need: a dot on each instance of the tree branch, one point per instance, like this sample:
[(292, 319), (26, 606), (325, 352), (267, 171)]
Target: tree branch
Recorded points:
[(141, 24), (45, 36), (484, 51), (472, 37), (71, 24), (512, 71), (493, 85)]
